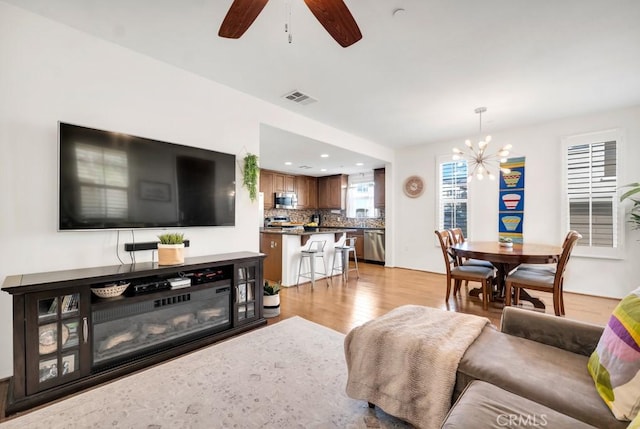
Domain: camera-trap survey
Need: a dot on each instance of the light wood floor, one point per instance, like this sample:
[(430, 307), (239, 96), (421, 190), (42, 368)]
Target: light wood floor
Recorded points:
[(343, 306)]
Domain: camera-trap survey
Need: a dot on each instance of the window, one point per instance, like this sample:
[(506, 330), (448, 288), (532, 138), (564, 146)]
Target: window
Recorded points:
[(591, 180), (452, 195), (360, 196)]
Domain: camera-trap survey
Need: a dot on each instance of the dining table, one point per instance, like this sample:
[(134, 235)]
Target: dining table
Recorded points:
[(505, 258)]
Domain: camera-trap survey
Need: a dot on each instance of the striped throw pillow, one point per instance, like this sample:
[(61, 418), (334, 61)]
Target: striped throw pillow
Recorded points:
[(615, 363)]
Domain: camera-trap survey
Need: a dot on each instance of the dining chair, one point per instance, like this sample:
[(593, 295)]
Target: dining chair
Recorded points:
[(543, 280), (550, 266), (457, 273), (457, 237)]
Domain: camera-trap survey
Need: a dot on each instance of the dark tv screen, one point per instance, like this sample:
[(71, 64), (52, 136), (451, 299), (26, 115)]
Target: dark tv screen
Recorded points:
[(110, 180)]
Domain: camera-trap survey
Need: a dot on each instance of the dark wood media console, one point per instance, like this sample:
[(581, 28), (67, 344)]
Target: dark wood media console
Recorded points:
[(65, 338)]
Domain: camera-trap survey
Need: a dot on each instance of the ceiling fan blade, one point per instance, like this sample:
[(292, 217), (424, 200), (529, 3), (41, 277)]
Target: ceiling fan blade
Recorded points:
[(337, 20), (240, 16)]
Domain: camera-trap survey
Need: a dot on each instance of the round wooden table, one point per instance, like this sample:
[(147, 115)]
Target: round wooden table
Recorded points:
[(506, 259)]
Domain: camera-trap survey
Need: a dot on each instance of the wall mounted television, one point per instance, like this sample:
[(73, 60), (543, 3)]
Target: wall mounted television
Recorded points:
[(110, 180)]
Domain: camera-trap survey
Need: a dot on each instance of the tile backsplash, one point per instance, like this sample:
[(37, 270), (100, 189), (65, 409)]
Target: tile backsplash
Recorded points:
[(328, 218)]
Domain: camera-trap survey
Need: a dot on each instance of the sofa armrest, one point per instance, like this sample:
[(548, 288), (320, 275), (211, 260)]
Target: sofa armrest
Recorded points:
[(571, 335)]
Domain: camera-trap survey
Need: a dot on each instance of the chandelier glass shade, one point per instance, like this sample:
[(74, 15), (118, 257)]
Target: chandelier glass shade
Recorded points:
[(480, 162)]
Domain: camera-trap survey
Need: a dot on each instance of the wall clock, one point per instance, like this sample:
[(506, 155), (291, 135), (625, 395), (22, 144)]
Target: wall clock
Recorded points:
[(413, 186)]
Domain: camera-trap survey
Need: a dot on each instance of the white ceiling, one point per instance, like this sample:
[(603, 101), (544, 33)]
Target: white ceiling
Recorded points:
[(414, 78)]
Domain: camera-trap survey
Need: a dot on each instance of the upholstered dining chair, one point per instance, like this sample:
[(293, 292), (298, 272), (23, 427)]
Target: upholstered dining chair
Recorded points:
[(457, 237), (543, 280), (457, 273), (551, 266)]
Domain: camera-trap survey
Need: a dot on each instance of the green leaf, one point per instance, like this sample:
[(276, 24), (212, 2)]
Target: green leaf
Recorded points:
[(250, 175)]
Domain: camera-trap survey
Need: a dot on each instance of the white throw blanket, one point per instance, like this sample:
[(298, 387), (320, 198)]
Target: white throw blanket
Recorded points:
[(405, 362)]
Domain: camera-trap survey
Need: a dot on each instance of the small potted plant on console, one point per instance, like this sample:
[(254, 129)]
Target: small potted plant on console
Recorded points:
[(171, 249), (271, 299)]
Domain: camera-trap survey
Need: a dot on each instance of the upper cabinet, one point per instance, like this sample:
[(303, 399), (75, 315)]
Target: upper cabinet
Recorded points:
[(283, 182), (266, 187), (306, 188), (378, 188), (332, 192)]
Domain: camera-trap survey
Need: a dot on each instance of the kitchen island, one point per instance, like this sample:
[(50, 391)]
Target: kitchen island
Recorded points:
[(283, 245)]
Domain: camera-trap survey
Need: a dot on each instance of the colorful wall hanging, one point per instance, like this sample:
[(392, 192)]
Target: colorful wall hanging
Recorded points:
[(511, 203)]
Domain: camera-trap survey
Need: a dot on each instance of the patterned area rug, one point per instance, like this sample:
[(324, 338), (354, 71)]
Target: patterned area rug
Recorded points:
[(291, 374)]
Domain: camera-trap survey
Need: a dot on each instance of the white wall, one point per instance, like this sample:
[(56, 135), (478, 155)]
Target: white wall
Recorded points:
[(416, 219), (50, 72)]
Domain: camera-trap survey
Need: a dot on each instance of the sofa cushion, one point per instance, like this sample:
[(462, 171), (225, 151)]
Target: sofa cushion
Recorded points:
[(483, 405), (615, 363), (550, 376)]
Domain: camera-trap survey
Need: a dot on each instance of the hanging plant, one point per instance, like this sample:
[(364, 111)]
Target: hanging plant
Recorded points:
[(250, 175)]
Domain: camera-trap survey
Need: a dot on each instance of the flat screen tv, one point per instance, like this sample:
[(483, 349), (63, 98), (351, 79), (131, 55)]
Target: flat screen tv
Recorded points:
[(110, 180)]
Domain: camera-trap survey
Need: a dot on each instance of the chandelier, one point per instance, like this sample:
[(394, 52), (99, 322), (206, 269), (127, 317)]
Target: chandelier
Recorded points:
[(479, 161)]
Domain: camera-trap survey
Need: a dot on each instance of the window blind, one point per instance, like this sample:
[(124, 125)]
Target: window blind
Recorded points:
[(453, 196), (592, 192)]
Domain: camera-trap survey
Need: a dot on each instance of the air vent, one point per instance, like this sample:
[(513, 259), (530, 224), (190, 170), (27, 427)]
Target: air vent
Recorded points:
[(305, 167), (299, 97)]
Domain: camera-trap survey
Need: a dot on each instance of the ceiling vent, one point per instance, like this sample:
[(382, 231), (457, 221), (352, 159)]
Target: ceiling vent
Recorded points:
[(305, 167), (299, 97)]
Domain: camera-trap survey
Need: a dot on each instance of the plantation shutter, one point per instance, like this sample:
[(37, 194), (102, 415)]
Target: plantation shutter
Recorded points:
[(453, 196), (592, 192)]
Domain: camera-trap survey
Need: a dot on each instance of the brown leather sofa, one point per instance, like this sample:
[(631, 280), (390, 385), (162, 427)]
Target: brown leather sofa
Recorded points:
[(537, 357)]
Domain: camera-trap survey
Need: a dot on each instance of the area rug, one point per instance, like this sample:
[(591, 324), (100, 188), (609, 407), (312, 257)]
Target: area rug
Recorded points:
[(291, 374)]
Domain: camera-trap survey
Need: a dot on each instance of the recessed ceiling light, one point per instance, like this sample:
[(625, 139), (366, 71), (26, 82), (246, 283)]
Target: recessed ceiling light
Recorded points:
[(288, 163), (359, 164), (324, 155), (323, 169)]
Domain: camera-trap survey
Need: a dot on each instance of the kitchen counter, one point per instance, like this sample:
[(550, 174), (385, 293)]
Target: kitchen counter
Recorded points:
[(319, 230), (283, 245)]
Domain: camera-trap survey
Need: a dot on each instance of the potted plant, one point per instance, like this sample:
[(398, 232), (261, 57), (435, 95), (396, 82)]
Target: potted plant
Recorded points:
[(171, 249), (634, 214), (271, 299), (250, 175)]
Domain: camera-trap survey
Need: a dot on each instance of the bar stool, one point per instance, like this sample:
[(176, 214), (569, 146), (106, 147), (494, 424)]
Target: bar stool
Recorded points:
[(348, 245), (313, 251)]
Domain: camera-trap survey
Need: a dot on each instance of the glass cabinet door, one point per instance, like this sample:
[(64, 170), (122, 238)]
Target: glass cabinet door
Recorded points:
[(59, 328), (245, 293)]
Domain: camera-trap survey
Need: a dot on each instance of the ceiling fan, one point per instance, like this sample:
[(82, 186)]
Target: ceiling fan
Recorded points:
[(332, 14)]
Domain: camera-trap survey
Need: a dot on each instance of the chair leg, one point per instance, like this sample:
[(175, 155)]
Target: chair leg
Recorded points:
[(326, 273), (457, 284), (355, 259), (485, 295), (299, 271), (516, 295), (507, 294), (448, 289)]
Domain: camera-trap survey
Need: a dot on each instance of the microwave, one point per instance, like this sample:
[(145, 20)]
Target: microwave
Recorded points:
[(286, 200)]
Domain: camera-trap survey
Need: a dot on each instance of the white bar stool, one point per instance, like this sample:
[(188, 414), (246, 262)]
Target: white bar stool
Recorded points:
[(313, 251), (349, 245)]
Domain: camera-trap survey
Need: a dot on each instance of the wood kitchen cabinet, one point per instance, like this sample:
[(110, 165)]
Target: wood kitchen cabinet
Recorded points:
[(359, 234), (332, 192), (306, 188), (378, 187), (283, 182), (271, 245), (266, 187)]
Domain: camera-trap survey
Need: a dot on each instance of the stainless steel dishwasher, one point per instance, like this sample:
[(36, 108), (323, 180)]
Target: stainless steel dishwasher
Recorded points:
[(374, 245)]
